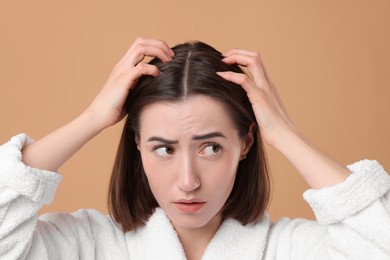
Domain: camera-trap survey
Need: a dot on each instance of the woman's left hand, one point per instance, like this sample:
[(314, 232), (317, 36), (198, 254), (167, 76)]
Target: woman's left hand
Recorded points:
[(277, 129), (270, 113)]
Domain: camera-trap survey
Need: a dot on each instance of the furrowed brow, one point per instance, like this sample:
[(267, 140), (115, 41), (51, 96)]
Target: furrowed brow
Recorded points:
[(207, 136), (162, 140)]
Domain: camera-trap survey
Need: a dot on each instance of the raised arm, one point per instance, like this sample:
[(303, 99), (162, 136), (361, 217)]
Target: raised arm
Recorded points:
[(276, 127), (351, 203), (28, 179), (56, 148)]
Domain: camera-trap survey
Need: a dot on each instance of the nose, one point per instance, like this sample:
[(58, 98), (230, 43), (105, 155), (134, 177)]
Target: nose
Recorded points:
[(188, 179)]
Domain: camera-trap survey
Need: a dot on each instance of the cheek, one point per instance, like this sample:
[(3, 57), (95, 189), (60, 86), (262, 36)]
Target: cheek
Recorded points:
[(159, 176), (218, 177)]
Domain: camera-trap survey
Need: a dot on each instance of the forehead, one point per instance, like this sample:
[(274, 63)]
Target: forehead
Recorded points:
[(195, 115)]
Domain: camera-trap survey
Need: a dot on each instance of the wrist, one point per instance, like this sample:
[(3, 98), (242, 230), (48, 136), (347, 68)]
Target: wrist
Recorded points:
[(91, 121), (317, 168), (283, 139)]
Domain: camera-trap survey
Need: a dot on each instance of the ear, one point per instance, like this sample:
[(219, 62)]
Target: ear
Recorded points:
[(247, 141), (137, 141)]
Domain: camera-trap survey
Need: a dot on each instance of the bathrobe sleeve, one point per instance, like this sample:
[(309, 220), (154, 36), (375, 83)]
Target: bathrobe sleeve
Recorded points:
[(85, 234), (353, 220)]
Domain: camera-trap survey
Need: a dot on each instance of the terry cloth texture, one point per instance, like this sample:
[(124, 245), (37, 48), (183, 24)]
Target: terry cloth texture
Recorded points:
[(353, 222)]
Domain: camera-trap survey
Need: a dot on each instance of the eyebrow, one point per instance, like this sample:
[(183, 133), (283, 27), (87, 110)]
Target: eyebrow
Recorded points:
[(195, 137), (207, 136)]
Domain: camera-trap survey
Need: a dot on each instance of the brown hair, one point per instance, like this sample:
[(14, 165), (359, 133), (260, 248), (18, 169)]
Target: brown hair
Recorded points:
[(191, 72)]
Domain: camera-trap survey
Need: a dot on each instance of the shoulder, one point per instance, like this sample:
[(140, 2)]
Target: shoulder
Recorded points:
[(91, 222), (87, 233)]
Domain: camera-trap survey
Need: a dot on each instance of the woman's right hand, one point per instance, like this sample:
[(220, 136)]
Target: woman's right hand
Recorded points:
[(107, 107), (53, 150)]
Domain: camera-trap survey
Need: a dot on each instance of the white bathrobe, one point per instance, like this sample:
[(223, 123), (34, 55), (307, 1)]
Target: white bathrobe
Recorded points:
[(353, 222)]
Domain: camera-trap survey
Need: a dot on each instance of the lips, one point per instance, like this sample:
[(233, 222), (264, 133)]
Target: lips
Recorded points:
[(189, 206)]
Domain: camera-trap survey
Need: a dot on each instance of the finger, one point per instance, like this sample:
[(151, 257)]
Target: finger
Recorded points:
[(245, 52), (240, 51), (253, 64), (142, 50), (145, 47), (255, 95), (137, 56), (240, 79), (146, 69), (261, 78), (269, 84), (163, 45), (130, 77), (140, 69)]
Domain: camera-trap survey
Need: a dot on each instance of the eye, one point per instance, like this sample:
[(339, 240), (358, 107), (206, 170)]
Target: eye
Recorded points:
[(163, 151), (211, 150)]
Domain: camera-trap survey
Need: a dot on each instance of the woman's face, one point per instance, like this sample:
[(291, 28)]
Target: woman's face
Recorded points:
[(190, 152)]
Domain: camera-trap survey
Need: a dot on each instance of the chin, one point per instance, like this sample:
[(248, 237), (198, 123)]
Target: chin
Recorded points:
[(188, 222), (193, 220)]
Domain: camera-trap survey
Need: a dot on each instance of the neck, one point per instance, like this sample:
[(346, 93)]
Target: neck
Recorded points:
[(195, 240)]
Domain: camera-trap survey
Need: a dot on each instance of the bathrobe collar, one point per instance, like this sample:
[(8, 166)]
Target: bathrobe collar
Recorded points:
[(158, 240)]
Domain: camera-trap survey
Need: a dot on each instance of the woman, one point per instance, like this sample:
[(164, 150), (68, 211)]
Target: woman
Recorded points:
[(190, 178)]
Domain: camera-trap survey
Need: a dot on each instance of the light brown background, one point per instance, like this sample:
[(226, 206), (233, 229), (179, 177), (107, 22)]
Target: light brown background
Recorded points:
[(329, 59)]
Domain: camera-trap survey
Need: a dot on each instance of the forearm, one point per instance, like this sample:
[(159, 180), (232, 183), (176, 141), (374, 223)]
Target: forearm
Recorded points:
[(317, 168), (53, 150), (106, 110)]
